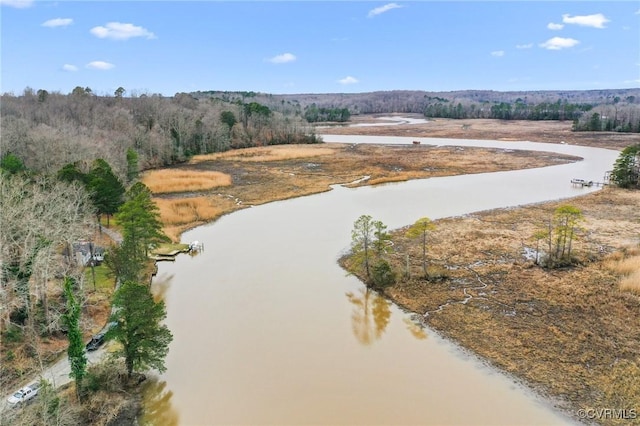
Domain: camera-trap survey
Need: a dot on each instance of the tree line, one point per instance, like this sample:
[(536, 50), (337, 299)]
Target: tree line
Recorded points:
[(313, 114), (594, 110), (49, 130), (416, 101), (618, 115), (626, 170), (518, 110)]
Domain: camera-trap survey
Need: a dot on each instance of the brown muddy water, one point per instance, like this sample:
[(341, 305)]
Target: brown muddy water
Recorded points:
[(268, 329)]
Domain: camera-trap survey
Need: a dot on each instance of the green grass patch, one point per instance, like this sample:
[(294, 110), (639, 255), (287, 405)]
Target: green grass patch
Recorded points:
[(169, 248), (104, 279), (108, 221)]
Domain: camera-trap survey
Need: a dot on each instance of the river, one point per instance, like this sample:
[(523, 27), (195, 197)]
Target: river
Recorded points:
[(268, 329)]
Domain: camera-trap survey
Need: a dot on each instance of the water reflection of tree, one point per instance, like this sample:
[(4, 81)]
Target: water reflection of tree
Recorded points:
[(157, 408), (415, 328), (371, 315), (160, 285)]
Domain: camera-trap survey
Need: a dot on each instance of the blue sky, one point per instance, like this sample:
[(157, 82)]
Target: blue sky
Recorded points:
[(318, 46)]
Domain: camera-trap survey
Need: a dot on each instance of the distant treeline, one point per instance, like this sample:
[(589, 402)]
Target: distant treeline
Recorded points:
[(416, 101), (518, 110), (588, 110), (313, 114), (50, 130), (619, 115)]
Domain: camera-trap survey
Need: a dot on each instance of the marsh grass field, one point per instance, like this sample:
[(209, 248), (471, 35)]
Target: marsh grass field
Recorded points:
[(254, 176), (177, 180)]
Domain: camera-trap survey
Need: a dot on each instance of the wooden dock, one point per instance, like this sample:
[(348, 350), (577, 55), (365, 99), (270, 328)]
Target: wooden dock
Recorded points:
[(588, 183)]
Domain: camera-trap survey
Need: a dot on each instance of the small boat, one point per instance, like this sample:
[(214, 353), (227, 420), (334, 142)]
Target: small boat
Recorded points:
[(196, 246)]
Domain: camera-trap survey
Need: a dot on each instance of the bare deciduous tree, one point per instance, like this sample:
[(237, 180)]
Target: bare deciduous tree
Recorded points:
[(40, 221)]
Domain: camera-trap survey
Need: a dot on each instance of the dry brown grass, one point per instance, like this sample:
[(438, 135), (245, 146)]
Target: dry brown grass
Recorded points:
[(179, 211), (179, 214), (98, 309), (265, 174), (626, 264), (267, 154), (387, 179), (631, 282), (184, 180), (393, 178)]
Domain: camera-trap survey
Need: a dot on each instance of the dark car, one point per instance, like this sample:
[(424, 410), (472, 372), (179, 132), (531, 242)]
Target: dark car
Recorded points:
[(95, 342)]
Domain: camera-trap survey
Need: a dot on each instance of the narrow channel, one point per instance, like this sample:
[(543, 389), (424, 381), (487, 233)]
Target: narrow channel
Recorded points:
[(268, 329)]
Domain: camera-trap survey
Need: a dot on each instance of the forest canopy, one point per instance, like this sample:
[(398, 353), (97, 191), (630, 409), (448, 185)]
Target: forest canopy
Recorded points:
[(48, 131)]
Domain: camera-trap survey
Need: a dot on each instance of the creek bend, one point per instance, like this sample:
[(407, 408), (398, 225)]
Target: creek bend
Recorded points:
[(268, 329)]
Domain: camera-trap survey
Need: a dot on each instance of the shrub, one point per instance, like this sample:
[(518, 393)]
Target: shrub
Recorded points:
[(13, 334), (19, 316), (105, 376), (437, 273), (382, 274)]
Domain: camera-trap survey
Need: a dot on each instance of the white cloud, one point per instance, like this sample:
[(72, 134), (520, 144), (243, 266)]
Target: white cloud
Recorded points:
[(558, 43), (497, 53), (596, 20), (554, 26), (69, 67), (99, 65), (58, 22), (383, 9), (283, 59), (348, 80), (120, 31), (638, 12), (524, 46), (18, 4)]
